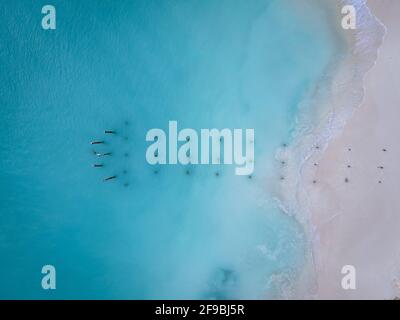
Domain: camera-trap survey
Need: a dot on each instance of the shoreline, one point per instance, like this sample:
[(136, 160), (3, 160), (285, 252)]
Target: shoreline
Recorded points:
[(335, 103), (343, 80), (348, 197)]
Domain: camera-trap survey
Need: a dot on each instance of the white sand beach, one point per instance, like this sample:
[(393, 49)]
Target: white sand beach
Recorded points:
[(354, 200)]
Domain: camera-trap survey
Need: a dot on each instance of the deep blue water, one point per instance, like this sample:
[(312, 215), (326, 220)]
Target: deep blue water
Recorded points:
[(131, 66)]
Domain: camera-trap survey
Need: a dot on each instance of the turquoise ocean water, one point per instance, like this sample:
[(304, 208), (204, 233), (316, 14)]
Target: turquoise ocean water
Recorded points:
[(129, 66)]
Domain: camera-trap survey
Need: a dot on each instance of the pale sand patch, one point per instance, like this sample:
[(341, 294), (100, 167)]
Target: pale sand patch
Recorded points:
[(358, 222)]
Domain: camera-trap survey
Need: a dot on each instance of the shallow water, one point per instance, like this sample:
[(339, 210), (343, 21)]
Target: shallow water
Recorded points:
[(129, 66)]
